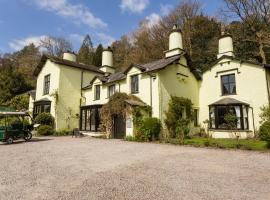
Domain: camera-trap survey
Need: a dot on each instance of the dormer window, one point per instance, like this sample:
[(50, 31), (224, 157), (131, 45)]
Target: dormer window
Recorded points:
[(46, 86), (97, 92), (111, 90), (228, 84), (134, 84)]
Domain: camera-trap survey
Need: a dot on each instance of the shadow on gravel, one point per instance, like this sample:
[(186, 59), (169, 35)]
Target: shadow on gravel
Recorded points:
[(31, 141)]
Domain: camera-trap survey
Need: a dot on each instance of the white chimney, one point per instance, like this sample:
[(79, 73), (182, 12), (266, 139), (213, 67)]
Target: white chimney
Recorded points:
[(175, 42), (107, 61), (70, 56), (225, 46)]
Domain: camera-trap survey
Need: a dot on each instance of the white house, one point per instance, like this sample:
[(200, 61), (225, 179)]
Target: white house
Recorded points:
[(74, 93)]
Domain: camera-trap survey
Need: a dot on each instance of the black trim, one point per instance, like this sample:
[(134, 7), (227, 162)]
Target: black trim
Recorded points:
[(86, 113)]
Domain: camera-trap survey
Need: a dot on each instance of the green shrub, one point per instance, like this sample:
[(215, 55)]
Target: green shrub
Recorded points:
[(64, 132), (45, 130), (130, 138), (149, 129), (265, 131), (178, 117), (45, 119)]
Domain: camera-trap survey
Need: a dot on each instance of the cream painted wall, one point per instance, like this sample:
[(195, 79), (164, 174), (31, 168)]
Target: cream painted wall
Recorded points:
[(54, 71), (251, 88), (68, 106), (66, 82), (177, 80)]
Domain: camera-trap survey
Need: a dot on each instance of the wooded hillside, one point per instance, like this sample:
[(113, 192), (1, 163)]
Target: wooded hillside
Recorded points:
[(251, 34)]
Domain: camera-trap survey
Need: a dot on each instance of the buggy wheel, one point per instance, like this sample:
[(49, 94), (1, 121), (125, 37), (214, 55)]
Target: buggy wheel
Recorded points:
[(28, 136), (9, 140)]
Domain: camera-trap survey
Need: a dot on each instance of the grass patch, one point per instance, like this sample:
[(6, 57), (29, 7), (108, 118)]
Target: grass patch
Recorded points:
[(255, 145)]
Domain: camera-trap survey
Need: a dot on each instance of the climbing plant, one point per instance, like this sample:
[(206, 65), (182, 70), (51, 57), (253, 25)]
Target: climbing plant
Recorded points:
[(116, 106), (178, 117)]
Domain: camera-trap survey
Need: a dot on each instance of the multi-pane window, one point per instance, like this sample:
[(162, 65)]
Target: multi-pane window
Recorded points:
[(228, 84), (134, 84), (97, 92), (111, 90), (218, 120), (46, 87)]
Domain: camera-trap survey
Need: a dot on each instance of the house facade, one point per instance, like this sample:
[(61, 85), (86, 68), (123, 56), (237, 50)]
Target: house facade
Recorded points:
[(74, 93)]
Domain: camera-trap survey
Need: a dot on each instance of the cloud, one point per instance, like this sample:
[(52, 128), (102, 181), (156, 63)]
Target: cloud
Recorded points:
[(18, 44), (152, 19), (165, 9), (76, 37), (78, 13), (105, 39), (134, 6)]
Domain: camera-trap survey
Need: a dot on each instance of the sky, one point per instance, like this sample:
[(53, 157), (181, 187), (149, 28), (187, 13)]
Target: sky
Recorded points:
[(27, 21)]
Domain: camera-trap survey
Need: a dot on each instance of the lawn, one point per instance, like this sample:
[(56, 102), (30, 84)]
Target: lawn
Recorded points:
[(256, 145)]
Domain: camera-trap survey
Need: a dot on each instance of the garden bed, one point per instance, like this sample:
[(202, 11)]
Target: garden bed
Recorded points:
[(256, 145)]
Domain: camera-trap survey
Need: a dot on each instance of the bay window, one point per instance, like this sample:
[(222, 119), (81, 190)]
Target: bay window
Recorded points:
[(217, 115)]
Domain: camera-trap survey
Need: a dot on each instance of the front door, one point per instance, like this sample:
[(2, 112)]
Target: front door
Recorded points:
[(119, 127)]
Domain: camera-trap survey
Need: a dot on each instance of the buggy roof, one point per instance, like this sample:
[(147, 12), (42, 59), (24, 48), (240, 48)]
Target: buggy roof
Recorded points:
[(13, 113)]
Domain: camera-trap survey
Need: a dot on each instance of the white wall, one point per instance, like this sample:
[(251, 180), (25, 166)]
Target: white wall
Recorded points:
[(251, 88)]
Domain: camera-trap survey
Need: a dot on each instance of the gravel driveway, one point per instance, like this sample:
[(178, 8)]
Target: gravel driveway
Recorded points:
[(89, 169)]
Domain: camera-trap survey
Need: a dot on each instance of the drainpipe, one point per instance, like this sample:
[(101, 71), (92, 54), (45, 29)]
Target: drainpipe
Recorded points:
[(151, 94), (267, 85), (253, 119), (81, 88)]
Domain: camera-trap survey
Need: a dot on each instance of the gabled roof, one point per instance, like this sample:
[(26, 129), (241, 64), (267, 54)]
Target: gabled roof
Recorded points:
[(116, 77), (238, 60), (158, 64), (228, 101), (68, 63)]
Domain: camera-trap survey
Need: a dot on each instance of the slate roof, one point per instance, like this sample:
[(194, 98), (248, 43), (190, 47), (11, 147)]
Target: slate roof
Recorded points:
[(32, 93), (228, 101), (145, 68), (158, 64), (61, 61)]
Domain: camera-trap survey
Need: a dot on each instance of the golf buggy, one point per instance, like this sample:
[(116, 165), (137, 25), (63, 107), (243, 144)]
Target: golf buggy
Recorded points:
[(15, 126)]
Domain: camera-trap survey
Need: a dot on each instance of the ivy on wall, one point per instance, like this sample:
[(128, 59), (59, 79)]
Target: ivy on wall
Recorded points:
[(179, 117)]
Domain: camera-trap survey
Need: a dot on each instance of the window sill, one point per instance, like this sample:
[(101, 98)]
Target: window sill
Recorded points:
[(135, 92), (228, 94)]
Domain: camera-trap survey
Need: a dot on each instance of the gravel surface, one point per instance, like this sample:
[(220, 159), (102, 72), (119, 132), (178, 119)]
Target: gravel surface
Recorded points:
[(89, 169)]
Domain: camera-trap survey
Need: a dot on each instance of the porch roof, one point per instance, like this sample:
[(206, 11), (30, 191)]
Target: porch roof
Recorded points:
[(228, 101)]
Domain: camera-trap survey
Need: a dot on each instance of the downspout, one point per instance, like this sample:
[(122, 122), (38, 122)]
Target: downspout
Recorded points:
[(151, 91), (253, 119), (81, 88), (267, 85)]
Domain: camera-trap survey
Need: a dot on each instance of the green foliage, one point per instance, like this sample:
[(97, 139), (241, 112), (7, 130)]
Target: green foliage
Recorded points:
[(86, 52), (231, 120), (255, 145), (179, 117), (19, 102), (265, 115), (265, 131), (45, 130), (116, 106), (45, 119), (130, 138), (64, 132), (12, 83), (97, 60), (149, 129)]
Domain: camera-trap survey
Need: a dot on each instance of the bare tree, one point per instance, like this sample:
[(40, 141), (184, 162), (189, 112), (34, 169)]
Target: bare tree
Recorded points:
[(256, 16), (55, 46)]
